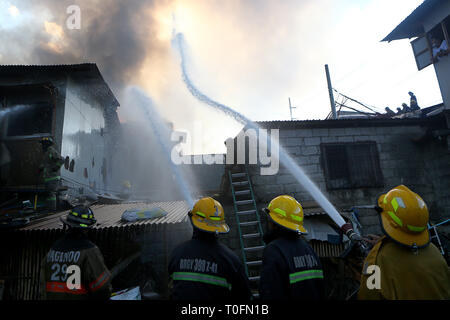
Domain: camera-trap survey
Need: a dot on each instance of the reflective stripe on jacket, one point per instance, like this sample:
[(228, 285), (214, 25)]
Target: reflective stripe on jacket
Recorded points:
[(77, 251), (204, 269), (291, 270)]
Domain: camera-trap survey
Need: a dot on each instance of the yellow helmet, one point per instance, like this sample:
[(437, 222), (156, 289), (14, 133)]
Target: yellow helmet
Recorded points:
[(404, 217), (126, 184), (287, 212), (208, 215)]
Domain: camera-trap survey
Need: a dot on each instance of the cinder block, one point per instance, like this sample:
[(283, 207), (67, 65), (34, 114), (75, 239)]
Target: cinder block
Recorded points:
[(346, 139), (293, 150), (315, 141), (310, 150), (310, 169), (292, 188), (288, 142), (367, 131), (353, 131), (363, 138), (301, 133), (288, 133), (335, 132), (322, 132), (367, 221), (286, 179), (329, 139)]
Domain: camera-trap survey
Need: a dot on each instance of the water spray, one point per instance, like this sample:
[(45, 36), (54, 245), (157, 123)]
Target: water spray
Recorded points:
[(162, 135), (284, 157), (15, 109)]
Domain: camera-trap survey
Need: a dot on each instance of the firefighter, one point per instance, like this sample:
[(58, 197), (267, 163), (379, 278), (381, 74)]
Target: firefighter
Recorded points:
[(403, 264), (74, 260), (290, 267), (49, 168), (203, 268), (413, 102)]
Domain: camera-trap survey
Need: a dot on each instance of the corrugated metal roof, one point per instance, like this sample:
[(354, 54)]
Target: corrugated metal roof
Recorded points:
[(318, 230), (412, 25), (91, 68), (340, 123), (110, 215)]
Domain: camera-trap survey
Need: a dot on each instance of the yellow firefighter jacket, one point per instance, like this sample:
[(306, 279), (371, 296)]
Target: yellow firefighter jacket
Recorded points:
[(405, 275)]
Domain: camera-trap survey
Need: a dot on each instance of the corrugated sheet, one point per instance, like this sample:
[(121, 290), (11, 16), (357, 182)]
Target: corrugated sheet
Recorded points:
[(109, 215), (341, 123), (318, 230), (327, 250), (23, 249), (91, 68), (412, 26)]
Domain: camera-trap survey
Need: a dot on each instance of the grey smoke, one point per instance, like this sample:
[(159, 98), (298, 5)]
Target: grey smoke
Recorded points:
[(115, 34)]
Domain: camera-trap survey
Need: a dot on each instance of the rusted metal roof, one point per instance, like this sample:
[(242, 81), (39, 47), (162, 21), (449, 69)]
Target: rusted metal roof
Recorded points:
[(109, 215)]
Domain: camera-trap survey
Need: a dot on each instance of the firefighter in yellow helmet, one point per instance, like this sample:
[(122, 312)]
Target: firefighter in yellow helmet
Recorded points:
[(203, 268), (290, 267), (409, 266)]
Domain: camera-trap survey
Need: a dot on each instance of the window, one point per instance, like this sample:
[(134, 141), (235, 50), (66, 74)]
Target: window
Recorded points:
[(351, 165), (433, 45), (30, 119)]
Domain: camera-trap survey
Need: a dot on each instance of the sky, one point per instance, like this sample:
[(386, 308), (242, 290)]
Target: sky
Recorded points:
[(249, 55)]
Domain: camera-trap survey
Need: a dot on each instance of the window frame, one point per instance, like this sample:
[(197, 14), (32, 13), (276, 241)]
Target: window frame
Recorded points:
[(351, 179), (430, 47)]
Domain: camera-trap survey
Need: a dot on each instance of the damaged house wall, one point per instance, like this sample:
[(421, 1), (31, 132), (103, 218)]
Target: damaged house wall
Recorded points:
[(77, 107)]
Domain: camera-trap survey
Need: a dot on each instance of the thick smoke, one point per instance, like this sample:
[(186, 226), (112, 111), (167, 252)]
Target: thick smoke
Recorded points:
[(117, 35)]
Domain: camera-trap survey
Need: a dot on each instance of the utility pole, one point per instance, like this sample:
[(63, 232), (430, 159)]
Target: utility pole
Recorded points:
[(330, 92), (290, 108)]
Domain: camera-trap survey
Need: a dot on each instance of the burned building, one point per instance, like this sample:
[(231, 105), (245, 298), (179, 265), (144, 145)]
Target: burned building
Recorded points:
[(70, 103)]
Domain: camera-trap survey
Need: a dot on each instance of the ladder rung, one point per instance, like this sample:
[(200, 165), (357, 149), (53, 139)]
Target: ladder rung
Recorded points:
[(246, 212), (254, 263), (240, 183), (254, 278), (254, 248), (251, 235), (241, 192), (248, 223), (244, 202), (238, 175)]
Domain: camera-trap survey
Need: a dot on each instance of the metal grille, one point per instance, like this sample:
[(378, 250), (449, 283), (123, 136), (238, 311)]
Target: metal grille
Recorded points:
[(351, 165)]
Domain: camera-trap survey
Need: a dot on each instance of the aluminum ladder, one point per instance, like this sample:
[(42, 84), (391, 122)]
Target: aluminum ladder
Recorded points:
[(434, 234), (248, 222)]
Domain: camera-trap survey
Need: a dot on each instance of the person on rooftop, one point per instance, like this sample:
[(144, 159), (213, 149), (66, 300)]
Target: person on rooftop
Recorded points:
[(413, 102), (389, 112), (405, 108)]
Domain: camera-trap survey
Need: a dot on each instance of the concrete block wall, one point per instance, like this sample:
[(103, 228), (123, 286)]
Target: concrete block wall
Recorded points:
[(402, 161)]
